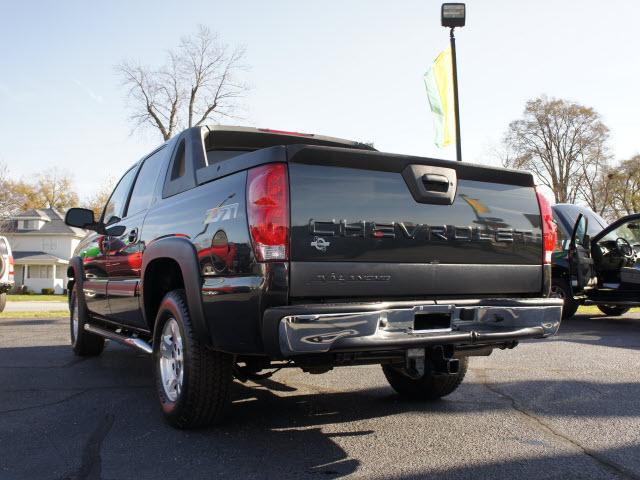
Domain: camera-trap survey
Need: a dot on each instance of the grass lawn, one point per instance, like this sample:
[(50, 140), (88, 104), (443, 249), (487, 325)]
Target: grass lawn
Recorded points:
[(593, 310), (36, 298), (52, 314)]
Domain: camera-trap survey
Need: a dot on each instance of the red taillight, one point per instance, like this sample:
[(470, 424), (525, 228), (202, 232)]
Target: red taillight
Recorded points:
[(548, 227), (11, 272), (268, 211)]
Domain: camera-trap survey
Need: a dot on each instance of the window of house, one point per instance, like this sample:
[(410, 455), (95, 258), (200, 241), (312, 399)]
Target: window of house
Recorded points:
[(19, 274), (28, 224), (114, 210), (40, 271), (60, 272), (145, 183)]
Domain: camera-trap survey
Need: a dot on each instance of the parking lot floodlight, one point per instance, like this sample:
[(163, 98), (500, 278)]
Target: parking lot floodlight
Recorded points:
[(453, 14)]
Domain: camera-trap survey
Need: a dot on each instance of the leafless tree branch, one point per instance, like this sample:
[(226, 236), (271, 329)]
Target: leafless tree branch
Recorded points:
[(564, 144), (199, 82)]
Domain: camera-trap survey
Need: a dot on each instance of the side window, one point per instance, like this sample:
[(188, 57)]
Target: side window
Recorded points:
[(3, 247), (178, 168), (180, 175), (114, 209), (562, 242), (145, 183)]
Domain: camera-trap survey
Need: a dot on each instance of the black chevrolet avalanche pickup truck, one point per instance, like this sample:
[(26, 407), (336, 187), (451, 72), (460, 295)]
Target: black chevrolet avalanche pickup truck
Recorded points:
[(228, 252)]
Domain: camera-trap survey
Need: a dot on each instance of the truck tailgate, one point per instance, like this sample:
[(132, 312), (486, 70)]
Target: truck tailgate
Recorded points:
[(360, 227)]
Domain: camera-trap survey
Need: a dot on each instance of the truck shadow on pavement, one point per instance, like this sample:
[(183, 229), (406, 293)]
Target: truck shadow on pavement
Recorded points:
[(66, 417), (84, 418)]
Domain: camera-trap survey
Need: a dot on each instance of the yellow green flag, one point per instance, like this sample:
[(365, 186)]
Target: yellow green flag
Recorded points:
[(438, 81)]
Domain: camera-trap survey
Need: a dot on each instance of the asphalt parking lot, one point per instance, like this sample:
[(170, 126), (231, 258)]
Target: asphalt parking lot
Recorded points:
[(564, 408)]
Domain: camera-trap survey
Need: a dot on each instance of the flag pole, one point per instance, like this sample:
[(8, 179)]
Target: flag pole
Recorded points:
[(452, 38)]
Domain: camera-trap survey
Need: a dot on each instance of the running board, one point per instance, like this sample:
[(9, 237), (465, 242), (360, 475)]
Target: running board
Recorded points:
[(125, 340)]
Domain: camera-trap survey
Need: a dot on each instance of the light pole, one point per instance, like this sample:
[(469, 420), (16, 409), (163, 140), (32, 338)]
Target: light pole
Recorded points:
[(452, 16)]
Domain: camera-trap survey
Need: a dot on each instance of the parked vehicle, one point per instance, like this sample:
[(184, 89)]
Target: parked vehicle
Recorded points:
[(609, 273), (229, 251), (6, 271)]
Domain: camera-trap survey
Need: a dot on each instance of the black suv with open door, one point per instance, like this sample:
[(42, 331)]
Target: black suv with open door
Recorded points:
[(595, 263)]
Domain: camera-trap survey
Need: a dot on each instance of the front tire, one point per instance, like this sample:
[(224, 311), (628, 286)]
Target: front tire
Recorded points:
[(85, 344), (613, 310), (560, 289), (431, 386), (3, 301), (193, 381)]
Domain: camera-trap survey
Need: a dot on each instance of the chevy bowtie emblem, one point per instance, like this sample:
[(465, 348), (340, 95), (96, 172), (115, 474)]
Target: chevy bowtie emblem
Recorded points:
[(320, 243)]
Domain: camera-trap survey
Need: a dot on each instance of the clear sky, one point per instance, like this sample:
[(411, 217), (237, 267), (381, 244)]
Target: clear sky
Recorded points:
[(345, 68)]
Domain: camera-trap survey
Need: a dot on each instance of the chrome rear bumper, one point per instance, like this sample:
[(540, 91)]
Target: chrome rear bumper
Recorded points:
[(314, 329)]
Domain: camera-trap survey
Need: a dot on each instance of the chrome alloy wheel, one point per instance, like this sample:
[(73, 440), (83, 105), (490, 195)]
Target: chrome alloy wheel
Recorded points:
[(171, 362), (75, 320)]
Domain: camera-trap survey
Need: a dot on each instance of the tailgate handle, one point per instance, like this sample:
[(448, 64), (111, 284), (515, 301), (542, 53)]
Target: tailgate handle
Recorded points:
[(435, 183), (431, 184)]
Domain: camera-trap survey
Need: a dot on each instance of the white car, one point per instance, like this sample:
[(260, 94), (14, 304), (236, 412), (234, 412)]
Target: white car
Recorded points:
[(6, 271)]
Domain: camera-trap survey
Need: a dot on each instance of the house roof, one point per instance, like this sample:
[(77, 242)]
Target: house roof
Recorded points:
[(37, 257), (53, 223), (33, 213)]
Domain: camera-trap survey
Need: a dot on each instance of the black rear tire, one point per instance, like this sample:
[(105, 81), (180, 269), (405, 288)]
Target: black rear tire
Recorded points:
[(3, 301), (560, 289), (85, 344), (613, 310), (207, 375), (431, 386)]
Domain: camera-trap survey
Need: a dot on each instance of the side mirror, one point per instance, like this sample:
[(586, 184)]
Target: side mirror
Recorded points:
[(81, 218)]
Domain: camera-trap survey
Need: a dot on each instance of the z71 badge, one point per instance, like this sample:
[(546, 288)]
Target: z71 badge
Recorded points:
[(220, 214)]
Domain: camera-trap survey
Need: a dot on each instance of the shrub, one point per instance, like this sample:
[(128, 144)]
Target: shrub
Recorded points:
[(48, 291)]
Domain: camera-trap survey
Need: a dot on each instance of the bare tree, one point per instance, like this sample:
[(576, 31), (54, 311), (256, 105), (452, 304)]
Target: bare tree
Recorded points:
[(53, 189), (594, 187), (563, 143), (624, 184), (603, 193), (199, 82), (11, 200)]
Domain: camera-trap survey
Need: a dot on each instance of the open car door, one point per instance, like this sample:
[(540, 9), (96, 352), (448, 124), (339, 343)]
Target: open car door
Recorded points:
[(615, 251), (580, 261)]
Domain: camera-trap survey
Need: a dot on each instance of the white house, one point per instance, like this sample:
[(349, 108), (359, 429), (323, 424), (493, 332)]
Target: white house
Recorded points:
[(42, 245)]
